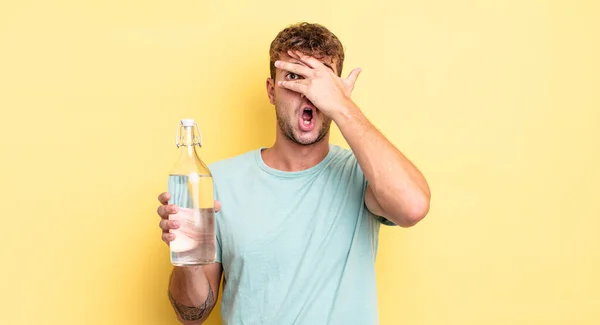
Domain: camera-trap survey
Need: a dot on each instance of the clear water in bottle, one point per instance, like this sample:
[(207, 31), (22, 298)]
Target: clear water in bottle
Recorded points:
[(194, 242), (191, 189)]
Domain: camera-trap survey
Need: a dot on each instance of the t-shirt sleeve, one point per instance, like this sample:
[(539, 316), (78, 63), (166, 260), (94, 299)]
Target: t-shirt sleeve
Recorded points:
[(381, 219), (384, 221), (378, 218)]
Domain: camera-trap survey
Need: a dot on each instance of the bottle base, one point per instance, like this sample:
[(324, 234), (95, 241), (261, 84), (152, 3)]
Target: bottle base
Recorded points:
[(194, 263)]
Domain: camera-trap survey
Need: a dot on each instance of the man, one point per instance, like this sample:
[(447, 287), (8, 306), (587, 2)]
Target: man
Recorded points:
[(297, 231)]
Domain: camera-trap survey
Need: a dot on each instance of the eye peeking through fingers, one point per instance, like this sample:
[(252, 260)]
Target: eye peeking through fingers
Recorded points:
[(292, 76)]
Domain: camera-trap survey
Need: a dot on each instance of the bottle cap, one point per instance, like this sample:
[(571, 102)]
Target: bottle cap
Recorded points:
[(187, 122)]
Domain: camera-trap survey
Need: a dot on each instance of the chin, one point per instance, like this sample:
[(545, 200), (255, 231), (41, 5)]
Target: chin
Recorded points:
[(307, 139)]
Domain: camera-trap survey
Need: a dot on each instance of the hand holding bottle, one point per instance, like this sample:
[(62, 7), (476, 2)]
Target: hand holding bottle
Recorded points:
[(165, 210), (189, 209)]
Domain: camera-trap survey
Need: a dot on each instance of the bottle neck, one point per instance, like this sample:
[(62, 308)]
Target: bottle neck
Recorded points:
[(188, 140)]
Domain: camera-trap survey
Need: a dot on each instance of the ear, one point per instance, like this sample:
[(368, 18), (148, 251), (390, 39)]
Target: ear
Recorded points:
[(271, 90)]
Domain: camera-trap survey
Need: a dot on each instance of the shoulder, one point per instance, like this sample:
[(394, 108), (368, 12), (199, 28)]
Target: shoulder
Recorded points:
[(342, 158), (233, 165), (343, 166)]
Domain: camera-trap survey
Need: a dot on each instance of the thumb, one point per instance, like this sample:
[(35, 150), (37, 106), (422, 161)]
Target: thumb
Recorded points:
[(353, 76)]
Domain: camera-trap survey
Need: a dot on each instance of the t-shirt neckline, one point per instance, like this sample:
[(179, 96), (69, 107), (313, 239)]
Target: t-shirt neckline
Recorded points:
[(285, 174)]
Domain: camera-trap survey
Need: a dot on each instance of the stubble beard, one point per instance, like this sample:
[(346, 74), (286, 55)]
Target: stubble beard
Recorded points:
[(286, 127)]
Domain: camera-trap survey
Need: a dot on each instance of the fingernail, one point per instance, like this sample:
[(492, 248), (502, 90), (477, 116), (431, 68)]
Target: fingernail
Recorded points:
[(175, 223), (277, 64)]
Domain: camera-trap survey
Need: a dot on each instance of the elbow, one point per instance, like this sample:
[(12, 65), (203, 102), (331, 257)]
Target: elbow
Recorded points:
[(415, 216), (415, 212), (184, 322), (190, 322)]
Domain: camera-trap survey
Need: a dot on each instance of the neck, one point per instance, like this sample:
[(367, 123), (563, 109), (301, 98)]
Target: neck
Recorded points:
[(289, 156)]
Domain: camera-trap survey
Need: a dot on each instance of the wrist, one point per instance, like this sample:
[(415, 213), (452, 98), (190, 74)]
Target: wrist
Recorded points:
[(189, 271), (345, 112)]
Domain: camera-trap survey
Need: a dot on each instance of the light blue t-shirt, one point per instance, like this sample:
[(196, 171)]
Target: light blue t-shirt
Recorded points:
[(296, 247)]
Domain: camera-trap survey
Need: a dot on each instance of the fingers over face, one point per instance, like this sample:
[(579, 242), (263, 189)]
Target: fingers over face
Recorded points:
[(298, 86), (295, 68), (308, 60)]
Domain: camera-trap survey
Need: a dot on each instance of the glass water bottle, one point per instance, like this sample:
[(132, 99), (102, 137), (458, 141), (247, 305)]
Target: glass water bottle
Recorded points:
[(191, 190)]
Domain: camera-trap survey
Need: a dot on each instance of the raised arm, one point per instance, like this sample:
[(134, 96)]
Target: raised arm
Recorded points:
[(397, 190)]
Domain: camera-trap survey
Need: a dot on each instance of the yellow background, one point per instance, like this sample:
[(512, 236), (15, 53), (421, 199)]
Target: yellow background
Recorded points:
[(497, 102)]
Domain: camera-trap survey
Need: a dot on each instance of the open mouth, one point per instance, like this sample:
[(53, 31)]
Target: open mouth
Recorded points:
[(307, 119), (307, 115)]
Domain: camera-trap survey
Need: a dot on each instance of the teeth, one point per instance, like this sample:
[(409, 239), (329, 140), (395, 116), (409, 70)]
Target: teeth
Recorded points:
[(307, 122)]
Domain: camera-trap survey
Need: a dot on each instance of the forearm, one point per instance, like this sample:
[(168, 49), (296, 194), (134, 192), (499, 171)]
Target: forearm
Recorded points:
[(191, 295), (398, 186)]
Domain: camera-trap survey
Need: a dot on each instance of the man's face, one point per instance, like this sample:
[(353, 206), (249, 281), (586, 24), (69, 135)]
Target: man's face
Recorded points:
[(297, 118)]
